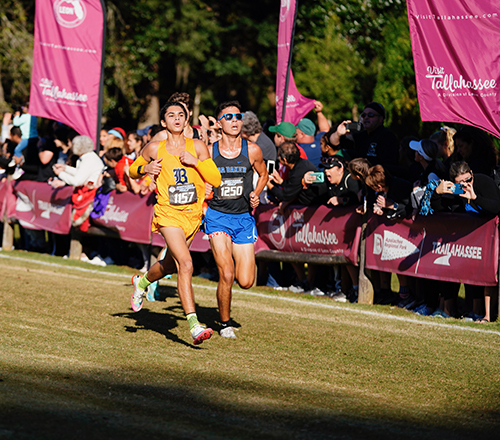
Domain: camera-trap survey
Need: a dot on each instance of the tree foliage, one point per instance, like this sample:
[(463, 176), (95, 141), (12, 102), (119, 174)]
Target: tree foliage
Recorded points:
[(16, 58), (328, 69), (345, 54)]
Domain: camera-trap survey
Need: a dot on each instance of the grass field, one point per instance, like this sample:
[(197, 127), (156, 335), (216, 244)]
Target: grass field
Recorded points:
[(77, 363)]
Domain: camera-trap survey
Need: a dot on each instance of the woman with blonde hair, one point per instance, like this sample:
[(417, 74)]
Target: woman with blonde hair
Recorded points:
[(446, 146)]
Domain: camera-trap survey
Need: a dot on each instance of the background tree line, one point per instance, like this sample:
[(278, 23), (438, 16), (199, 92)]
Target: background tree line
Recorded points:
[(345, 55)]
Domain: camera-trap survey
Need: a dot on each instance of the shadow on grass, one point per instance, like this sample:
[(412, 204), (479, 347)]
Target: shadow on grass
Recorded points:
[(98, 407), (164, 323)]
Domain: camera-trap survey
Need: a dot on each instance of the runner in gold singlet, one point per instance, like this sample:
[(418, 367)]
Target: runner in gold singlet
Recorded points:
[(180, 166), (181, 191)]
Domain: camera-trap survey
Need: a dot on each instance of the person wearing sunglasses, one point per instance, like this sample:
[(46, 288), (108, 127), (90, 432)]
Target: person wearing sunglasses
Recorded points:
[(476, 194), (467, 192), (228, 221)]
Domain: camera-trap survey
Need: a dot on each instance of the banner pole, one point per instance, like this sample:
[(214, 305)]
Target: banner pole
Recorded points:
[(289, 66), (101, 81)]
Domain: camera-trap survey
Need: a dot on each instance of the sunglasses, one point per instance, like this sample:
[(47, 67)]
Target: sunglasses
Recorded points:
[(229, 116), (329, 160), (469, 180), (369, 115)]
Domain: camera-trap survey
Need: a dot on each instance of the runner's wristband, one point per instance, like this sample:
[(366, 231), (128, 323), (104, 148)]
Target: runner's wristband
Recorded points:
[(134, 168)]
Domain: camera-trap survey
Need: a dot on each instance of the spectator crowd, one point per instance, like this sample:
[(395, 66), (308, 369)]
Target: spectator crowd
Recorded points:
[(353, 163)]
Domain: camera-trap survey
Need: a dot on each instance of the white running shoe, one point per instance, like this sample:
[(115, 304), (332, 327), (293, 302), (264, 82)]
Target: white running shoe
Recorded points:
[(228, 333), (18, 172), (136, 298), (200, 334)]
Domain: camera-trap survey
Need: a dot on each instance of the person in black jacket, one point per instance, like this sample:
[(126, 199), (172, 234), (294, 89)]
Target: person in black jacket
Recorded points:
[(392, 200), (392, 194), (481, 196), (291, 189), (480, 193), (339, 187), (294, 190)]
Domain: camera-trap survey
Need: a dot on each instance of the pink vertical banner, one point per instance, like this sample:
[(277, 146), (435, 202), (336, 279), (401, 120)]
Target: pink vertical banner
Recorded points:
[(67, 63), (456, 51), (297, 106)]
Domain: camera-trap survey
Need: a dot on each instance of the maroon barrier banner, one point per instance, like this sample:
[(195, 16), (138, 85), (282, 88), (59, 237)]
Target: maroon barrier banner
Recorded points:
[(319, 230), (130, 215), (455, 50), (7, 200), (39, 206), (296, 105), (67, 63), (449, 247)]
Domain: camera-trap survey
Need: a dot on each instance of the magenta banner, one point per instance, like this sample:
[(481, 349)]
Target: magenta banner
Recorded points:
[(456, 51), (319, 230), (67, 60), (38, 206), (130, 215), (449, 247), (297, 106)]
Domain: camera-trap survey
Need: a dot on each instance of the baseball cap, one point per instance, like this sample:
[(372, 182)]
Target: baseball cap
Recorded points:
[(286, 129), (379, 108), (307, 126), (143, 131)]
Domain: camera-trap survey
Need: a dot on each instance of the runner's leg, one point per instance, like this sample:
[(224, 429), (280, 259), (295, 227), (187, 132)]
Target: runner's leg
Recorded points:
[(244, 259), (222, 251)]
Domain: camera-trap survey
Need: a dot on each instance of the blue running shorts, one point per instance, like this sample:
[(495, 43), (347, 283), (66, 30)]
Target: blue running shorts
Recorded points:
[(240, 228)]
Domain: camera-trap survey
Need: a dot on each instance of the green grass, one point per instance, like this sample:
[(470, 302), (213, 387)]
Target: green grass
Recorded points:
[(77, 363)]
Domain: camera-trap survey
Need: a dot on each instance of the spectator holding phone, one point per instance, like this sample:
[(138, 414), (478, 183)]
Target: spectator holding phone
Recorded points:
[(475, 194), (339, 188), (292, 188), (392, 195), (374, 142), (467, 192)]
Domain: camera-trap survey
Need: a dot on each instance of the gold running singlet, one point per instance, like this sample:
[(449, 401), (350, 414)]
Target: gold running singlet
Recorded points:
[(181, 192)]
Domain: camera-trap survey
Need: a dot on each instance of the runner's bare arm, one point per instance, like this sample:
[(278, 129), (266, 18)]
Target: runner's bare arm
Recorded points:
[(255, 156)]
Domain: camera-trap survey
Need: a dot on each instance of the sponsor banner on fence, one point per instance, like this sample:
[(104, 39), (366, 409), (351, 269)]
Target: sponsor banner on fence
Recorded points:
[(39, 206), (465, 251), (130, 215), (319, 230), (67, 58), (455, 49)]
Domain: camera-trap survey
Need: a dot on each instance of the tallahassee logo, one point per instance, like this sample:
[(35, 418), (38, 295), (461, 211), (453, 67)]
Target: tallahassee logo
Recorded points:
[(448, 250), (114, 214), (70, 13), (449, 84)]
